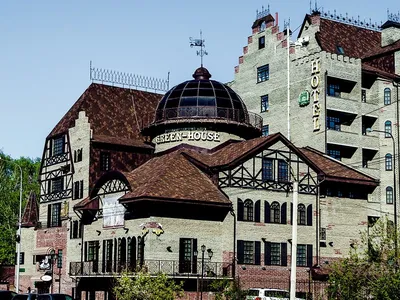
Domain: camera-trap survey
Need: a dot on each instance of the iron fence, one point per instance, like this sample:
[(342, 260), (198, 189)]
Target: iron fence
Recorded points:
[(169, 267), (203, 112)]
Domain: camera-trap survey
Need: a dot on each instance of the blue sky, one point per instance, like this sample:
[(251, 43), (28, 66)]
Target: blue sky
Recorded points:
[(46, 48)]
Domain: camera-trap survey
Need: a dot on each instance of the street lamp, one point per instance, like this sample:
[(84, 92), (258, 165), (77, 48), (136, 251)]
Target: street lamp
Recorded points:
[(19, 227), (210, 254), (394, 186)]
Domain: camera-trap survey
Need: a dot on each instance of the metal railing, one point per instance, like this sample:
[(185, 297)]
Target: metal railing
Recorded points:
[(169, 267), (203, 112)]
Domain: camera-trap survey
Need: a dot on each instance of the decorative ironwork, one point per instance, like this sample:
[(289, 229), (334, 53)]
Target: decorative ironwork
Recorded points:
[(393, 17), (128, 79), (208, 112), (199, 43), (350, 20), (212, 270), (263, 13), (113, 186)]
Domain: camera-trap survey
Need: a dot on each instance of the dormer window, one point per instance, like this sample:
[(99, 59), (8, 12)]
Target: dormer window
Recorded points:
[(340, 50)]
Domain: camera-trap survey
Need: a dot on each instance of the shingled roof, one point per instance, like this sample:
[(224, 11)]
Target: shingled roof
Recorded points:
[(172, 177), (354, 40), (334, 170), (184, 174), (112, 111)]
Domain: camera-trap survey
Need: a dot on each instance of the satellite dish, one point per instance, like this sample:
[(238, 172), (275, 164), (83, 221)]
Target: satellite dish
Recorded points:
[(46, 278)]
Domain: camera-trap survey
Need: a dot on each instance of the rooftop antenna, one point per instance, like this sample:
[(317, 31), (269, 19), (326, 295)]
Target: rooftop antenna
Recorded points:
[(199, 43)]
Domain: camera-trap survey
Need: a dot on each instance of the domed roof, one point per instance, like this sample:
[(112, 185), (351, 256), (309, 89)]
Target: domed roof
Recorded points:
[(201, 98)]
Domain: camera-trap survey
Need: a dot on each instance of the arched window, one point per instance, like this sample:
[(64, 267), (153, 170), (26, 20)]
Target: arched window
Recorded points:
[(248, 210), (389, 195), (301, 214), (388, 162), (275, 212), (387, 98), (388, 129)]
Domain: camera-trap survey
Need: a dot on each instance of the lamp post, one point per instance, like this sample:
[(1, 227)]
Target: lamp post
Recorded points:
[(210, 254), (19, 228), (394, 187)]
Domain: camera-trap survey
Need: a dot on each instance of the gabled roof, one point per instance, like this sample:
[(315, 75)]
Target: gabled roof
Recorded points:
[(30, 216), (354, 40), (112, 111), (172, 177), (184, 174), (334, 170)]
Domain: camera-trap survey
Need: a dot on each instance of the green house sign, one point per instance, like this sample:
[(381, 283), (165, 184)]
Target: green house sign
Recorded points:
[(304, 98)]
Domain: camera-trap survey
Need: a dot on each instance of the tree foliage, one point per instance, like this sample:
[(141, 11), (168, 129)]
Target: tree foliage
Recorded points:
[(371, 269), (10, 180), (143, 286), (227, 289)]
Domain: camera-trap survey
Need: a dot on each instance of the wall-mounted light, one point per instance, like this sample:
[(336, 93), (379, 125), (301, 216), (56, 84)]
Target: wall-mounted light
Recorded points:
[(98, 232), (126, 229), (330, 244), (243, 267), (170, 250)]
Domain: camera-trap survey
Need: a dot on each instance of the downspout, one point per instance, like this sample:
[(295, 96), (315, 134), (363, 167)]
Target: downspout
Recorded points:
[(326, 111), (398, 137), (318, 218), (234, 245)]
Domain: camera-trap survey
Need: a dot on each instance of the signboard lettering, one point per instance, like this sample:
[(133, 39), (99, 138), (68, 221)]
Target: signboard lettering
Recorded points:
[(187, 136), (315, 79)]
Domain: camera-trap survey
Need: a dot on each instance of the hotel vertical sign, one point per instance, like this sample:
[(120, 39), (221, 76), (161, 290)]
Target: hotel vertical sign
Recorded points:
[(315, 92)]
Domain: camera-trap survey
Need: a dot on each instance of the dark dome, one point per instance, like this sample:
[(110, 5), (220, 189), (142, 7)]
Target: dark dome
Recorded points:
[(201, 98)]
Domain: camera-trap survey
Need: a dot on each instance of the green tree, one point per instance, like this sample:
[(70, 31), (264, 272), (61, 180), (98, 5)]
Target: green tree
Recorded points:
[(227, 289), (143, 286), (10, 180), (371, 269)]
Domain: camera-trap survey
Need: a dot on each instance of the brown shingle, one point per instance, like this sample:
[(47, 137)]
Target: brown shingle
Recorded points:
[(355, 41), (112, 111), (172, 176), (335, 170)]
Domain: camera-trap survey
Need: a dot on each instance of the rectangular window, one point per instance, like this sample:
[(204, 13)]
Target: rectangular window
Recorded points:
[(333, 123), (264, 103), (58, 146), (78, 190), (267, 169), (263, 73), (301, 255), (276, 254), (57, 185), (322, 234), (105, 161), (248, 252), (334, 154), (363, 95), (265, 130), (21, 258), (334, 90), (75, 229), (261, 42), (283, 170), (53, 215), (92, 251), (78, 155)]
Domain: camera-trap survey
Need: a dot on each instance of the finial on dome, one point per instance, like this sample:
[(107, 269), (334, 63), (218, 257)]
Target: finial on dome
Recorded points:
[(201, 74)]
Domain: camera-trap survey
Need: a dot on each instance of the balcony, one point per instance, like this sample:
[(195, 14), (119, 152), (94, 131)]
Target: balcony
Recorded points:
[(172, 268)]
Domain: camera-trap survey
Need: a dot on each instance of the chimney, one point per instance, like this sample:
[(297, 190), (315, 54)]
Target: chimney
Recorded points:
[(390, 33)]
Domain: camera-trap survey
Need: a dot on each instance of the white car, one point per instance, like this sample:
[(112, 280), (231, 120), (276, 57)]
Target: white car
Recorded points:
[(268, 294)]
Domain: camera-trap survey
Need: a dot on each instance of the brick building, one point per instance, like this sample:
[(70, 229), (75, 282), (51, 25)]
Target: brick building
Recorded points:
[(185, 182)]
